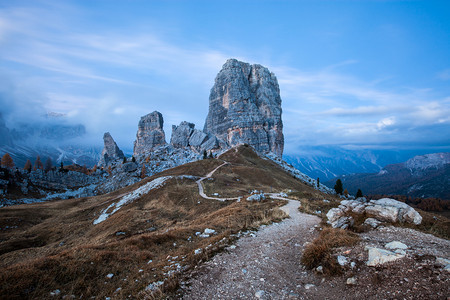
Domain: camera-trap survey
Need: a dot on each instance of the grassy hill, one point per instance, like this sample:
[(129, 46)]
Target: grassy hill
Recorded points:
[(54, 247)]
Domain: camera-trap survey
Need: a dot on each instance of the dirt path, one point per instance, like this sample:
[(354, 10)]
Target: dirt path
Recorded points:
[(266, 265), (209, 175)]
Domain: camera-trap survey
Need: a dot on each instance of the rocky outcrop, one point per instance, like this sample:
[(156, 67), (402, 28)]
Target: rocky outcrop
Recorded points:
[(186, 136), (111, 151), (150, 133), (384, 210), (245, 107)]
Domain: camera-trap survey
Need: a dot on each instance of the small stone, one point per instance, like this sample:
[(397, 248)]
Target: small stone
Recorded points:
[(319, 269), (395, 245), (293, 296), (110, 275), (259, 294), (232, 247), (351, 281), (352, 264), (342, 260), (55, 293), (308, 286)]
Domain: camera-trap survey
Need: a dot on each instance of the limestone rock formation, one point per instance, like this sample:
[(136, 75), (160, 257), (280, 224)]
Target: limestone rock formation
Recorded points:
[(186, 136), (245, 107), (384, 210), (181, 134), (111, 151), (150, 133)]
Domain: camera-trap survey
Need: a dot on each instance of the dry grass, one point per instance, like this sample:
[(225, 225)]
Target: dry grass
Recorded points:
[(319, 252), (56, 246)]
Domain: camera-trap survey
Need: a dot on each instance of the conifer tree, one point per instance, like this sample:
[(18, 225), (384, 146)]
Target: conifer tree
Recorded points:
[(27, 166), (143, 172), (205, 154), (38, 165), (338, 187), (7, 161), (359, 194), (48, 164)]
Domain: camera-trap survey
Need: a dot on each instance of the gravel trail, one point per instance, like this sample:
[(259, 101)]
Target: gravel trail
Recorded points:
[(265, 266)]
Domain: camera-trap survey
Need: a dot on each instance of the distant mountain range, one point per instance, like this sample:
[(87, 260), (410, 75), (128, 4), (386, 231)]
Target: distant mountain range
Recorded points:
[(52, 137), (328, 162), (421, 176)]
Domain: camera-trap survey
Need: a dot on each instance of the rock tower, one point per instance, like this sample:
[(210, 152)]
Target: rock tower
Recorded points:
[(245, 107)]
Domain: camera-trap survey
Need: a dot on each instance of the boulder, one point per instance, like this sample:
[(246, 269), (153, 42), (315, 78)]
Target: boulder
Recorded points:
[(396, 245), (245, 107), (181, 134), (380, 256), (387, 210)]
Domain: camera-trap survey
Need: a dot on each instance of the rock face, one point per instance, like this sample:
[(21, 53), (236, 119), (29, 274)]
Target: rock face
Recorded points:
[(111, 151), (384, 210), (186, 136), (245, 107), (150, 133)]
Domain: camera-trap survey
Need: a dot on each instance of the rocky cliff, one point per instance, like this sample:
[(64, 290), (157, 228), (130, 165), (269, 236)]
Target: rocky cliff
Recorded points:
[(186, 136), (111, 151), (245, 107), (150, 133)]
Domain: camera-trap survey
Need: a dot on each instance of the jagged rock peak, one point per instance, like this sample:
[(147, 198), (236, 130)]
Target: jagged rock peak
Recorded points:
[(150, 133), (245, 107), (181, 134), (186, 136), (434, 160), (111, 151)]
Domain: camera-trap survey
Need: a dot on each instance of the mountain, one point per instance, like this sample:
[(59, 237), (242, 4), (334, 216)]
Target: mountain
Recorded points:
[(421, 176), (52, 137), (328, 162)]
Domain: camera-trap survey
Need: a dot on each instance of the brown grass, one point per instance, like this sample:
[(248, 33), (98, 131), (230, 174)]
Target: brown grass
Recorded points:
[(319, 252), (56, 246)]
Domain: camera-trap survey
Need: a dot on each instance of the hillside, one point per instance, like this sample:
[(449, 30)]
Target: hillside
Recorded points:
[(136, 239), (422, 176)]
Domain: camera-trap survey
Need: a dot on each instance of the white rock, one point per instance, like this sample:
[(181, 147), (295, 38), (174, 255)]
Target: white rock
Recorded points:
[(374, 223), (395, 245), (55, 293), (334, 214), (209, 231), (308, 286), (110, 275), (351, 281), (342, 260), (380, 256), (442, 261), (259, 294), (198, 251)]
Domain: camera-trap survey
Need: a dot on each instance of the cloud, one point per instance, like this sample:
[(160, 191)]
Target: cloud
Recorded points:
[(444, 75)]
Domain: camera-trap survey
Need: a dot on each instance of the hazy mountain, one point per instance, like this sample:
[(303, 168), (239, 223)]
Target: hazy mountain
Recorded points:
[(327, 162), (50, 137), (421, 176)]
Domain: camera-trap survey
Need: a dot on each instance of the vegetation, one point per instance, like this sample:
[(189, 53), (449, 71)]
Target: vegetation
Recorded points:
[(143, 171), (338, 187), (319, 252), (48, 165), (38, 165), (7, 161), (27, 166), (359, 194)]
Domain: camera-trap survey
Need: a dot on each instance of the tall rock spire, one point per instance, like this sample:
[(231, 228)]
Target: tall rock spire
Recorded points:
[(150, 133), (245, 107), (111, 151)]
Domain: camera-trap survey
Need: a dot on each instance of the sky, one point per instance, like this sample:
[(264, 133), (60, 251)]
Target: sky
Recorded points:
[(360, 74)]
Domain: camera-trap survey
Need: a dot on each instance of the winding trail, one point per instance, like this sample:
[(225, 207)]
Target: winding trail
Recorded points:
[(209, 175), (265, 265)]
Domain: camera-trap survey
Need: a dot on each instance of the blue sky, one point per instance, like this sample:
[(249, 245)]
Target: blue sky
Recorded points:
[(354, 73)]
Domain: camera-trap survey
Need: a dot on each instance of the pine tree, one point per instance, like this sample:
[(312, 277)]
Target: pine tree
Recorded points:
[(124, 160), (94, 169), (205, 155), (61, 167), (345, 192), (48, 164), (338, 187), (133, 159), (359, 194), (211, 154), (143, 172), (318, 182), (27, 166), (38, 165), (7, 161)]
